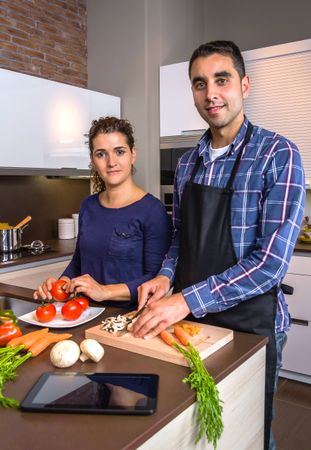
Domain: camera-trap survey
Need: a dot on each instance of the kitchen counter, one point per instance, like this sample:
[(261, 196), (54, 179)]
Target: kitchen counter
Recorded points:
[(64, 248), (302, 247), (60, 248), (23, 431)]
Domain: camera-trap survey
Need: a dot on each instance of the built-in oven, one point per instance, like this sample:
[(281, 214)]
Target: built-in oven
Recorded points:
[(171, 149), (166, 193)]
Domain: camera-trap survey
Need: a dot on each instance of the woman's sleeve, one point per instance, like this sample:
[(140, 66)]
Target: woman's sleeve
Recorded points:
[(157, 231)]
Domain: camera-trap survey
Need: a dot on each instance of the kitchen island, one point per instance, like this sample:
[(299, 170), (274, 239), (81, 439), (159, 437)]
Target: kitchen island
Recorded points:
[(238, 369)]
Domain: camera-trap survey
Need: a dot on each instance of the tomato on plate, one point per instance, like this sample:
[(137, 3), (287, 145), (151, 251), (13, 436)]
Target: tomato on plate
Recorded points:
[(58, 292), (84, 302), (71, 310), (46, 312)]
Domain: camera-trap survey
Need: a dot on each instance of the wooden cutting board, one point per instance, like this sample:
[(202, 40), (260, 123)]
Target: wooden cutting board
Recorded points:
[(209, 340)]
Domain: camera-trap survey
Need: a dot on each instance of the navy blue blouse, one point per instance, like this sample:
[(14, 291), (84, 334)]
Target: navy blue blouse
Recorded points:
[(121, 245)]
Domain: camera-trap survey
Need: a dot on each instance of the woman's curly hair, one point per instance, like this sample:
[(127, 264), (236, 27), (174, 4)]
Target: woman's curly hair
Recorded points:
[(107, 125)]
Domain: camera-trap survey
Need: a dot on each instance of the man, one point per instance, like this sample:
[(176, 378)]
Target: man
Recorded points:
[(238, 204)]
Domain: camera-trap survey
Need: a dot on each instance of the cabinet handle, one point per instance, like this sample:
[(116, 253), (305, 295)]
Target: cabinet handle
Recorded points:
[(289, 290), (304, 323)]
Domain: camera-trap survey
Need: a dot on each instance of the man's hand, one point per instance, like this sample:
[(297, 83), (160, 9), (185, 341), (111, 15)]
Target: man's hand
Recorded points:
[(153, 290), (160, 314)]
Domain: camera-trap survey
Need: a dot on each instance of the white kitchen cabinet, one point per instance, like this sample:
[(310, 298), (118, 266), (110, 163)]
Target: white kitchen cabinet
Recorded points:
[(297, 352), (43, 122), (177, 111), (32, 277)]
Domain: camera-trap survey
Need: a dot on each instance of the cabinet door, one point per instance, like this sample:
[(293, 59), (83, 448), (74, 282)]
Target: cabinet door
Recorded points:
[(43, 123), (299, 303), (296, 354), (32, 278), (177, 110)]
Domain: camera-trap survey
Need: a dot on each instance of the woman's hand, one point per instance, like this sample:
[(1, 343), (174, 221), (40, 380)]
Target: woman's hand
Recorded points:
[(43, 291), (99, 292)]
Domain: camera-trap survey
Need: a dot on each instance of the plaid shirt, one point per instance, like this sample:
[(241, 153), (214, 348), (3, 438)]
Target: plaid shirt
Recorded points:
[(266, 213)]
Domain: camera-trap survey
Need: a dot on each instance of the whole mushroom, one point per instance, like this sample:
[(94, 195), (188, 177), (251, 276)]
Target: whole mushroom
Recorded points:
[(65, 353), (91, 349)]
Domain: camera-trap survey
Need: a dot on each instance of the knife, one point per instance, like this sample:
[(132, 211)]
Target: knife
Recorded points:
[(138, 313)]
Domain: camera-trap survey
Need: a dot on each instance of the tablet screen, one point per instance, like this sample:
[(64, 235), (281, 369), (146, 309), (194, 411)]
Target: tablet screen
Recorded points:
[(93, 392)]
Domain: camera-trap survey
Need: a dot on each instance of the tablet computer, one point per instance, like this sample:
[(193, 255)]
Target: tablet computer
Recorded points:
[(97, 393)]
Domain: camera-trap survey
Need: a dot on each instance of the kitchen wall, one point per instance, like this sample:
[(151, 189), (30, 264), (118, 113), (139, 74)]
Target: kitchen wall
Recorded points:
[(128, 41), (44, 199), (46, 38)]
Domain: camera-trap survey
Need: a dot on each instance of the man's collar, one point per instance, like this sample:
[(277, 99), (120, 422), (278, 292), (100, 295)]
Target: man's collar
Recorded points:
[(204, 142)]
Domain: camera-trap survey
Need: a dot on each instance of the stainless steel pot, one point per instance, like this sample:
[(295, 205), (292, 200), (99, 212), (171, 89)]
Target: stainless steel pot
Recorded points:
[(11, 240)]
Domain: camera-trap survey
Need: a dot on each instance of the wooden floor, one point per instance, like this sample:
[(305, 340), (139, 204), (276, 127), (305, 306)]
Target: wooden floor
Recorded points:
[(292, 424)]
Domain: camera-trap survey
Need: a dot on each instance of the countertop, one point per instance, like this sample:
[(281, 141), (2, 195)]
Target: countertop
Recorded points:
[(302, 247), (23, 431), (59, 248)]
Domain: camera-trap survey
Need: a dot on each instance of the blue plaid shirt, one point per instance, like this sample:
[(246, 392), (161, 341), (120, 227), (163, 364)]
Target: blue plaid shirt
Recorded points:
[(267, 210)]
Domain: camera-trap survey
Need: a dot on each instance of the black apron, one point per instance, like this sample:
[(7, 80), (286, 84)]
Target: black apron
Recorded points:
[(206, 249)]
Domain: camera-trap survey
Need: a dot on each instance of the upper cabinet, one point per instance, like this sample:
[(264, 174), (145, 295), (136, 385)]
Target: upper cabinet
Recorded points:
[(43, 123), (178, 115)]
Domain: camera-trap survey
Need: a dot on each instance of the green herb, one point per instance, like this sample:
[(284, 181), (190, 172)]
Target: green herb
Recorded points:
[(210, 405), (10, 359)]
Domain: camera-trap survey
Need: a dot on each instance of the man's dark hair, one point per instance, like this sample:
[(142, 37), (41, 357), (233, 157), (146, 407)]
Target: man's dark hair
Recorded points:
[(226, 48)]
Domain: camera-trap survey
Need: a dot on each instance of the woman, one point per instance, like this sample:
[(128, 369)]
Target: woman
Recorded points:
[(124, 232)]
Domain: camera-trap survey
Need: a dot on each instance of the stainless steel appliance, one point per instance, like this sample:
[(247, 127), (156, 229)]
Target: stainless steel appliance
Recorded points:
[(171, 149), (34, 249)]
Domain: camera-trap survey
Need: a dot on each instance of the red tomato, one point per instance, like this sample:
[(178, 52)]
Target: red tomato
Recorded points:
[(46, 312), (84, 302), (8, 326), (71, 310), (58, 292)]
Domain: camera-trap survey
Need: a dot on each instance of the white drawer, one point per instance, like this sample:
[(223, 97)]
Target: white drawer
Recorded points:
[(33, 277), (300, 265), (297, 352), (300, 302)]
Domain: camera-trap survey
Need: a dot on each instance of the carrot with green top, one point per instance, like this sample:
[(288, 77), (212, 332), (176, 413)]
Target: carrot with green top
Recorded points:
[(167, 337), (181, 335)]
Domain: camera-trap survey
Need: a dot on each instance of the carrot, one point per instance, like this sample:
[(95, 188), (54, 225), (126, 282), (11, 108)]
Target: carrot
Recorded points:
[(45, 341), (27, 340), (181, 335), (167, 337), (190, 329)]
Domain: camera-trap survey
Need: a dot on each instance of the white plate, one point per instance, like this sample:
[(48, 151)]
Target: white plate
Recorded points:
[(89, 314)]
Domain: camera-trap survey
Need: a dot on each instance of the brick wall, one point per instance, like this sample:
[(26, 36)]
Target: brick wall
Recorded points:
[(46, 38)]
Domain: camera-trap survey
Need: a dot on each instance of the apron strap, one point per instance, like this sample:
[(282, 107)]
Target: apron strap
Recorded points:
[(198, 161), (237, 161)]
